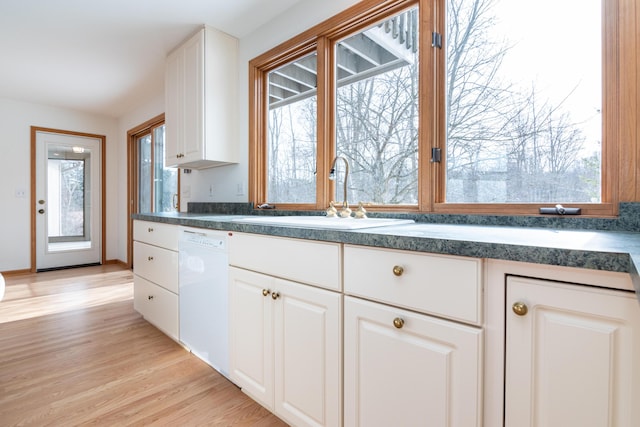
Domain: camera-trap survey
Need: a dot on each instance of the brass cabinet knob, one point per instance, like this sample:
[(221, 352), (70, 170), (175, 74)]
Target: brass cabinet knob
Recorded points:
[(41, 202), (150, 258), (150, 230), (275, 295), (150, 297), (398, 322), (266, 292), (41, 211), (520, 308), (398, 270)]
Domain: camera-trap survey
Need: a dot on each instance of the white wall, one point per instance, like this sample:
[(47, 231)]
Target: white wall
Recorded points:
[(225, 180), (16, 119)]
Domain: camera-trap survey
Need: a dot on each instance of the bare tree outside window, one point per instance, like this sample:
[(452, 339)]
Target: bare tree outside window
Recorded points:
[(377, 110), (522, 108), (516, 136), (292, 128)]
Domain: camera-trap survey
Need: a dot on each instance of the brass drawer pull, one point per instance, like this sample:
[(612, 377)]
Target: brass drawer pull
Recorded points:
[(398, 322), (266, 292), (398, 270)]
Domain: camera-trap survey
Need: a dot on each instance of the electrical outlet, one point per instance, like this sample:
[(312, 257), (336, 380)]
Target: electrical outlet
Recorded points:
[(240, 189)]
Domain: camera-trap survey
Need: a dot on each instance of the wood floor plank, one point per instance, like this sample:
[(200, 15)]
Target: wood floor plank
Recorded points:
[(74, 352)]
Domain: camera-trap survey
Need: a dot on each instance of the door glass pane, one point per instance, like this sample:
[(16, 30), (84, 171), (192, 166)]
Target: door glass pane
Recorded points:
[(292, 128), (68, 184), (165, 179), (377, 111), (523, 101), (145, 169)]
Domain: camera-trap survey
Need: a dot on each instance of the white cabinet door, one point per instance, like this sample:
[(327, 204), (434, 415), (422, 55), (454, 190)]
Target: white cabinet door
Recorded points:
[(251, 334), (407, 369), (174, 114), (573, 358), (200, 101), (308, 351), (286, 347), (193, 103)]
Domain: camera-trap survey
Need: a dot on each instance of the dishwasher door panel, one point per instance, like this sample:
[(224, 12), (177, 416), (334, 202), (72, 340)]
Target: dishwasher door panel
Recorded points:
[(203, 270)]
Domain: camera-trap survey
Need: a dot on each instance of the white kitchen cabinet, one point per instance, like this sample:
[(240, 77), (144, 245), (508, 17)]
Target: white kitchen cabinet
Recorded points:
[(402, 364), (572, 355), (407, 369), (286, 342), (200, 101), (155, 280)]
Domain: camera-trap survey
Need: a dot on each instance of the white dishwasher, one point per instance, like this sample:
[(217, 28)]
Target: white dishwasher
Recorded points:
[(203, 296)]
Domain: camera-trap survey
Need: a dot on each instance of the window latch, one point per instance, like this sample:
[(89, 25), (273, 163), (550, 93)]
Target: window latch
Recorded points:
[(436, 40), (436, 155), (560, 210)]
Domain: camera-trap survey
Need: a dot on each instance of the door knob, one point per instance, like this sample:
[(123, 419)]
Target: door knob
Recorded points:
[(520, 308), (41, 211)]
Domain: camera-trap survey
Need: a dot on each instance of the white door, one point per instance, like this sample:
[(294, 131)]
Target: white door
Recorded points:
[(572, 356), (68, 200)]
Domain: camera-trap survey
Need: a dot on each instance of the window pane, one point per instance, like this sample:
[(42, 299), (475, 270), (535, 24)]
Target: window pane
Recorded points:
[(377, 111), (292, 128), (165, 179), (66, 179), (144, 174), (523, 101)]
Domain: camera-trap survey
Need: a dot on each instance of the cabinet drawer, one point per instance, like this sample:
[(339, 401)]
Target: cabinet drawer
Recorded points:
[(157, 234), (157, 305), (314, 263), (435, 284), (156, 265)]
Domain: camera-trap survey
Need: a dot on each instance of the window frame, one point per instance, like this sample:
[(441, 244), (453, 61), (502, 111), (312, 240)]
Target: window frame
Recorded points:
[(431, 198)]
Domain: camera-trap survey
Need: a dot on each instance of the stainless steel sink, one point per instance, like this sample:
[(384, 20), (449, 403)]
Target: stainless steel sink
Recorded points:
[(322, 222)]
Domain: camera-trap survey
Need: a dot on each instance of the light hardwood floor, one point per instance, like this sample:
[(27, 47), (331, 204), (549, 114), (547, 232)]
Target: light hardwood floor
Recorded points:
[(74, 352)]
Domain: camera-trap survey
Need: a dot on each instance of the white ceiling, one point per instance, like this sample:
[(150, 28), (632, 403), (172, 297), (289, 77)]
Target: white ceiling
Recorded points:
[(102, 56)]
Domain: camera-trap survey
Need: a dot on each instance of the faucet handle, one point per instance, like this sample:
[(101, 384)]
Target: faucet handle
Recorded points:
[(361, 212), (331, 210)]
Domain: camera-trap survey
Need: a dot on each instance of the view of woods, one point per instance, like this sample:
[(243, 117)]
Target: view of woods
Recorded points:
[(512, 134), (68, 180)]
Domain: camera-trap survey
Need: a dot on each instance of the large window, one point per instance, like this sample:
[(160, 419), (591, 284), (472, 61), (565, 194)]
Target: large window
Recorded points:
[(156, 186), (292, 126), (442, 105), (523, 105), (376, 110)]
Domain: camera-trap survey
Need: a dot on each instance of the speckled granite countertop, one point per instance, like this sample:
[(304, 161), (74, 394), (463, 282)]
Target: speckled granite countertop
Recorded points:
[(617, 251)]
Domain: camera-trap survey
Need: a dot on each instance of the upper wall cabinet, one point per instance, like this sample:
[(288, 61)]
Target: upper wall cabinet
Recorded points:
[(200, 101)]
